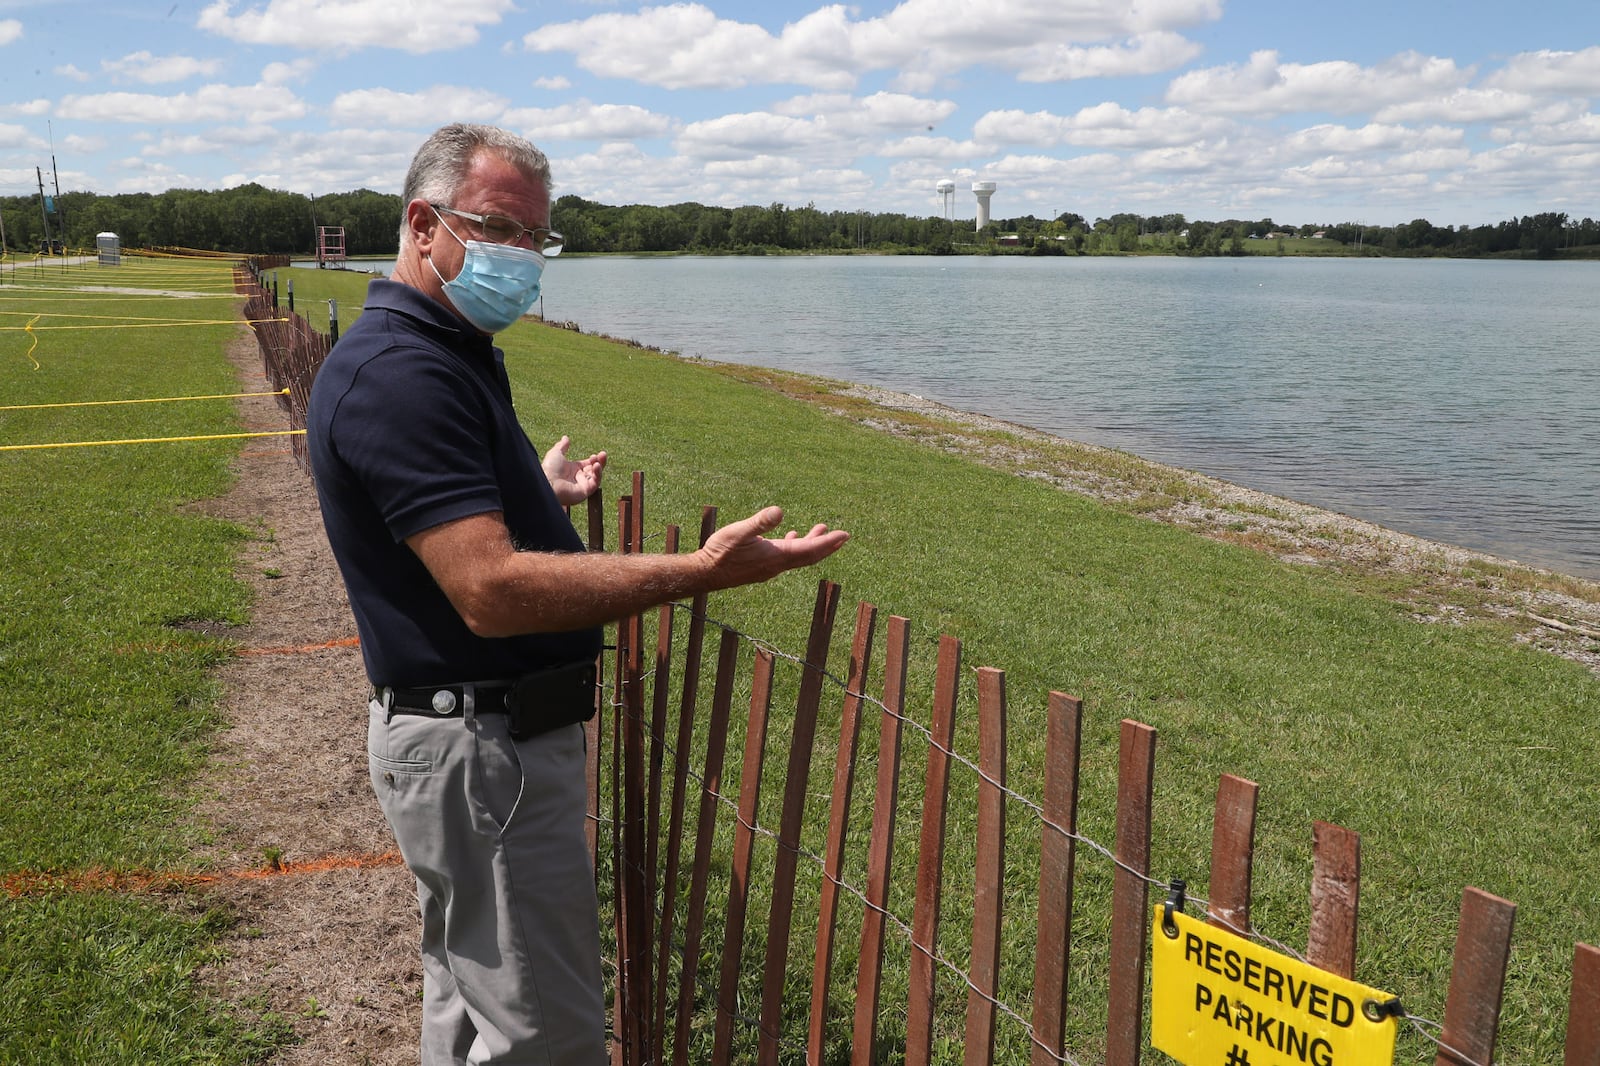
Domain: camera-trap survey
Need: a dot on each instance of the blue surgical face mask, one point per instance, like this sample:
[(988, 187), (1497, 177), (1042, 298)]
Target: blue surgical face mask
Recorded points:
[(496, 284)]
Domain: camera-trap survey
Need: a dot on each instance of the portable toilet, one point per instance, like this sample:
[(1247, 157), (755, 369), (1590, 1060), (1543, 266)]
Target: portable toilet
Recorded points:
[(110, 249)]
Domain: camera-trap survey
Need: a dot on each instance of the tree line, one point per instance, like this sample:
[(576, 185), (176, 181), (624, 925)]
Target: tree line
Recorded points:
[(257, 220)]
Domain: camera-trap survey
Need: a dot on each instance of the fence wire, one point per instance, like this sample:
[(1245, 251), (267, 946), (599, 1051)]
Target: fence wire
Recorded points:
[(1424, 1027)]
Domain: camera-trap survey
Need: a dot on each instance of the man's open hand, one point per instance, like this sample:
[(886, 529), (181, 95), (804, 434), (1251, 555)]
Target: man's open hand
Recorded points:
[(741, 553), (574, 480)]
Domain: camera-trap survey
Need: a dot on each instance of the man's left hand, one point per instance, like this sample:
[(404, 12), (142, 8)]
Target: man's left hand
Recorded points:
[(574, 480)]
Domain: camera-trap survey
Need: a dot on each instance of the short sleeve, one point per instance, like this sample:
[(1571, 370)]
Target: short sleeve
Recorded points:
[(416, 432)]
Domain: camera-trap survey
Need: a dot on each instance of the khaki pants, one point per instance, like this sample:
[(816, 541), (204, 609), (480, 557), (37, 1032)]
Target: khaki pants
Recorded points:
[(494, 832)]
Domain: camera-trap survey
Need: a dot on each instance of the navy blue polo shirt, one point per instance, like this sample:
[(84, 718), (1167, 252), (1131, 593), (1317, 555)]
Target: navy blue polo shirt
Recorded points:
[(410, 426)]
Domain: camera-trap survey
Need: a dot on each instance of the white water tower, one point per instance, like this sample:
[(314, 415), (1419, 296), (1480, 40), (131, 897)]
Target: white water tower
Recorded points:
[(947, 189), (982, 190)]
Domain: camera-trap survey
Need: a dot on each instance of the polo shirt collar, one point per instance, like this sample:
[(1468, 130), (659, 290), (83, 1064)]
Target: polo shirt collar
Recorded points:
[(413, 303)]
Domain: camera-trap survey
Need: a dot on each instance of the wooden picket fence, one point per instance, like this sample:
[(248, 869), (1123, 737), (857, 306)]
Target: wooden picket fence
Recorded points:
[(641, 780), (657, 878), (291, 350)]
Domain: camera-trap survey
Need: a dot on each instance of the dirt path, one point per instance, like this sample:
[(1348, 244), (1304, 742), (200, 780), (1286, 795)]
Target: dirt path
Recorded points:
[(334, 950)]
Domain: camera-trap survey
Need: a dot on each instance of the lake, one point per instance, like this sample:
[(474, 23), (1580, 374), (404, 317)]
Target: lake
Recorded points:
[(1456, 400)]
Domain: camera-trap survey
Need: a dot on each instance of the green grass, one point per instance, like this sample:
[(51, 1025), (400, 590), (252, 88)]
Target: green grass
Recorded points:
[(109, 587), (1461, 757)]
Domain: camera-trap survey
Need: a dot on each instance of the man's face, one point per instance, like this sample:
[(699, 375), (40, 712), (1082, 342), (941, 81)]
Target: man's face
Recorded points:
[(492, 187)]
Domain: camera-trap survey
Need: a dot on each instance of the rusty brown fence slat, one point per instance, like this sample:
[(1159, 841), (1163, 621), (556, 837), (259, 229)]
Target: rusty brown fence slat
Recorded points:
[(655, 742), (1335, 898), (694, 647), (930, 856), (880, 845), (710, 802), (659, 692), (1233, 834), (1130, 915), (640, 899), (1477, 978), (1583, 1008), (983, 968), (744, 836), (844, 774), (592, 729), (780, 916), (624, 1018), (1057, 855)]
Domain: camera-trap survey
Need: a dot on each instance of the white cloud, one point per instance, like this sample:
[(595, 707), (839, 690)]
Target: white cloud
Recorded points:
[(585, 121), (344, 26), (881, 112), (27, 107), (1106, 125), (1576, 73), (1265, 86), (932, 149), (216, 140), (82, 146), (210, 103), (1146, 54), (154, 70), (619, 173), (1330, 139), (278, 73), (19, 136), (687, 45), (1041, 40), (555, 84), (1581, 130), (10, 31), (753, 133), (69, 71), (1463, 105), (435, 105)]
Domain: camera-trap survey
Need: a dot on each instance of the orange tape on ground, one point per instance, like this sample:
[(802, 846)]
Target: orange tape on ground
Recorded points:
[(301, 649), (30, 883)]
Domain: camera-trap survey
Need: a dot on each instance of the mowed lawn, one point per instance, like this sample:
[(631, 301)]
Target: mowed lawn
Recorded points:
[(1461, 757)]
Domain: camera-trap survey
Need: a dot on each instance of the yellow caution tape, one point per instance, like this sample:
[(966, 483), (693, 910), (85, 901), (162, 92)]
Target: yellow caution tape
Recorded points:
[(29, 329), (151, 440), (154, 399)]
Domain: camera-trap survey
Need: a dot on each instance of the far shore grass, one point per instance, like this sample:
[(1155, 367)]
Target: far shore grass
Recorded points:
[(1462, 756)]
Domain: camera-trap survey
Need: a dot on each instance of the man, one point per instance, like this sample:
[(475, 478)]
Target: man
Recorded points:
[(478, 611)]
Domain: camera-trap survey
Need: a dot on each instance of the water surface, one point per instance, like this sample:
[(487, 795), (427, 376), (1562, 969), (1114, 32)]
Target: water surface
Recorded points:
[(1456, 400)]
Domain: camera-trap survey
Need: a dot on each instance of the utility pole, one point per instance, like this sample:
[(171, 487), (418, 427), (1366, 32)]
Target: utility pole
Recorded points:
[(44, 211), (61, 215), (55, 177)]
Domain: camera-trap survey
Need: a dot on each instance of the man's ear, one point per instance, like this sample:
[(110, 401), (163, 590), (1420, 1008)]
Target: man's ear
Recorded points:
[(420, 221)]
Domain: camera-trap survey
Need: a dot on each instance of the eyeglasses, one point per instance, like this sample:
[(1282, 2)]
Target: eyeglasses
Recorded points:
[(502, 230)]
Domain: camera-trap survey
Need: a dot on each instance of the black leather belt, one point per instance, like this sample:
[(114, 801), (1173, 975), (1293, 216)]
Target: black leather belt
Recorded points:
[(446, 701), (534, 703)]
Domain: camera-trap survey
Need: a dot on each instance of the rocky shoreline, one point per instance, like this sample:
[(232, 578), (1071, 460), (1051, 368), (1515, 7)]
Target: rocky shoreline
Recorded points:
[(1445, 583)]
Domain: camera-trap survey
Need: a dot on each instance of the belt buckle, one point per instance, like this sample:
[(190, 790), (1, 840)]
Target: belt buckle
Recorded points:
[(444, 702)]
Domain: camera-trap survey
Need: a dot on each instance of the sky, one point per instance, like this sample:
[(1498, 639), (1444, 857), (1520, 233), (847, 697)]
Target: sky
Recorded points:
[(1376, 111)]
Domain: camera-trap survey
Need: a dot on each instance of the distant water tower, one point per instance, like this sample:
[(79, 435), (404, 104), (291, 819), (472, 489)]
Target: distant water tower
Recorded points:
[(983, 190), (947, 189)]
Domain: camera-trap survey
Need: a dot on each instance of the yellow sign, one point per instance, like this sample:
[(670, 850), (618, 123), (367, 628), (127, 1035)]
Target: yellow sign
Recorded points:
[(1218, 999)]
